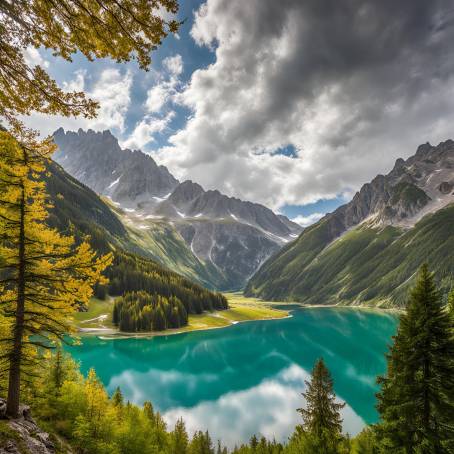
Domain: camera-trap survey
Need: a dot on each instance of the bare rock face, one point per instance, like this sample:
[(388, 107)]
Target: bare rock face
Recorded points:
[(96, 159), (25, 435), (415, 187), (445, 187)]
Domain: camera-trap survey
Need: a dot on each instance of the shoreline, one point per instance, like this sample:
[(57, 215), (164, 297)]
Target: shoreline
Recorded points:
[(105, 333), (353, 306), (116, 334)]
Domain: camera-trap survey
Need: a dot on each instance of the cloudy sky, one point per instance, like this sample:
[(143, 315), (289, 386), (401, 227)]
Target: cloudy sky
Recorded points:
[(294, 104)]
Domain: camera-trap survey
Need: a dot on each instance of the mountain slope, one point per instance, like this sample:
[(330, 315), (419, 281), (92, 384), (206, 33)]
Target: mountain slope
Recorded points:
[(77, 209), (74, 203), (224, 239), (367, 251)]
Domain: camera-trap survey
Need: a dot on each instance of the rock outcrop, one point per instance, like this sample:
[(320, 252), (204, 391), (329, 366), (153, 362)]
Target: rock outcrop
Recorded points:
[(96, 159), (23, 435), (415, 187)]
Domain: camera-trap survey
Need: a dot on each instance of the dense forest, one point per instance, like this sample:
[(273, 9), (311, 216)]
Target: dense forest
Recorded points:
[(130, 273), (152, 298), (140, 311)]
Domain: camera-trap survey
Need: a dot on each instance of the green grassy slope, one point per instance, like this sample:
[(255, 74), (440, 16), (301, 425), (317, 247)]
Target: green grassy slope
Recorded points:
[(77, 209), (365, 266), (161, 242), (76, 204)]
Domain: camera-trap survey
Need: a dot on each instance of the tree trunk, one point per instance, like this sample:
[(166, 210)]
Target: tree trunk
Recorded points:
[(12, 408)]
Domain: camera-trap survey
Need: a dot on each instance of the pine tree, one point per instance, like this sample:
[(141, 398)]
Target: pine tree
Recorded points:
[(253, 442), (57, 370), (321, 417), (179, 439), (201, 443), (148, 410), (44, 277), (221, 449), (117, 397), (451, 303), (416, 402)]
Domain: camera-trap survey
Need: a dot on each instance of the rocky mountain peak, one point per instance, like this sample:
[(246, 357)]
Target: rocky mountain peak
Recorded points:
[(414, 187), (185, 193), (97, 160), (423, 149)]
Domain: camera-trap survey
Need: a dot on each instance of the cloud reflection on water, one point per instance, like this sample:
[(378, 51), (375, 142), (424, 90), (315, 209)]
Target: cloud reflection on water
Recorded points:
[(268, 408)]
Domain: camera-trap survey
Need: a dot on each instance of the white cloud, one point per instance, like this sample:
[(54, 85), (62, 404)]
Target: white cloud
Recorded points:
[(306, 221), (145, 130), (174, 64), (76, 84), (33, 57), (166, 89), (157, 97), (292, 72), (158, 116), (112, 91)]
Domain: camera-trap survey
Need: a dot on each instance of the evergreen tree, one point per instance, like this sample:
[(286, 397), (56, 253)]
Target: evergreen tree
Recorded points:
[(451, 303), (57, 370), (220, 449), (160, 435), (179, 440), (117, 397), (148, 410), (253, 443), (45, 277), (416, 402), (321, 417), (201, 444), (159, 321)]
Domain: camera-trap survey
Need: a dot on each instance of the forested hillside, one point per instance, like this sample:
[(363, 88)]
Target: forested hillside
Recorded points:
[(77, 208), (367, 265)]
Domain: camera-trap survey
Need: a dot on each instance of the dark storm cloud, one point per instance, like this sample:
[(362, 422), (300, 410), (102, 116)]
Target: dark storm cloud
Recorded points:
[(377, 50)]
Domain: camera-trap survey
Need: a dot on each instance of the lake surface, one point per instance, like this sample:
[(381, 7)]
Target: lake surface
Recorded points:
[(248, 378)]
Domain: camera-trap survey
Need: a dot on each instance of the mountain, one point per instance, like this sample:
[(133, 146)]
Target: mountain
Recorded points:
[(97, 160), (79, 210), (368, 251), (220, 241)]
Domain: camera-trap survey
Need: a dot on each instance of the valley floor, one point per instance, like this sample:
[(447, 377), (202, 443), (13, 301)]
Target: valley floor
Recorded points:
[(98, 319)]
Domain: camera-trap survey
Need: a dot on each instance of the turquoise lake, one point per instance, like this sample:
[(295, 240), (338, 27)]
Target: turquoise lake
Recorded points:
[(248, 378)]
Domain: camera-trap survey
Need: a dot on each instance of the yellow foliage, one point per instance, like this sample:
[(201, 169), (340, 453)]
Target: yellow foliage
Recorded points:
[(119, 29), (45, 275)]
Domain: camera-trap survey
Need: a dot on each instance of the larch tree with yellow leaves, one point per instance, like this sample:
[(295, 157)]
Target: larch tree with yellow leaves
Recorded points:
[(44, 276), (117, 29)]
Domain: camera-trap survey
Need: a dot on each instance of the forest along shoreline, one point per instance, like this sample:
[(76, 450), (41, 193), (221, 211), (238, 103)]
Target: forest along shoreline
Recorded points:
[(97, 321)]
